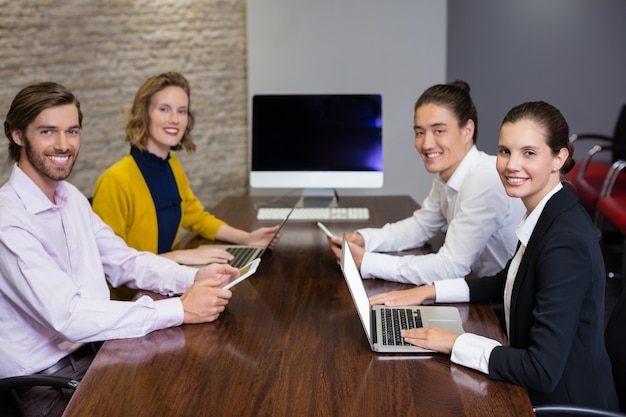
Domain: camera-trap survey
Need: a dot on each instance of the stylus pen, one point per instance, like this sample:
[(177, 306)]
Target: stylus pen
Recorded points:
[(325, 230)]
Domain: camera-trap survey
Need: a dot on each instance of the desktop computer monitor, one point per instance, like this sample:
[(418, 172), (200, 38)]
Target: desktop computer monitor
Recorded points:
[(316, 142)]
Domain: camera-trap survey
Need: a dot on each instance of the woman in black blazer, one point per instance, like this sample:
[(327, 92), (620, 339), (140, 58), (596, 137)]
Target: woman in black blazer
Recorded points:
[(553, 288)]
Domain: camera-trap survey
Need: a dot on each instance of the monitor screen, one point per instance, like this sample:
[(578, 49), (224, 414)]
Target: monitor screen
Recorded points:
[(316, 141)]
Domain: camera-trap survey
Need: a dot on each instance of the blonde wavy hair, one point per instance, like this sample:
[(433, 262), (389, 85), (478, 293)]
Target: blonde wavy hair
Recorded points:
[(139, 118)]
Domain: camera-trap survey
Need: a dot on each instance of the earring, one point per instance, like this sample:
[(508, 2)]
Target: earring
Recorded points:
[(553, 169)]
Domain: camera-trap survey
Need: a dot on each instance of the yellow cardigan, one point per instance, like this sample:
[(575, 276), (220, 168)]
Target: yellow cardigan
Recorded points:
[(122, 199)]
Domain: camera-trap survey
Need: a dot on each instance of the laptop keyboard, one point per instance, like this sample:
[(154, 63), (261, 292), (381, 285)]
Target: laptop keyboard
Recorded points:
[(241, 255), (396, 319)]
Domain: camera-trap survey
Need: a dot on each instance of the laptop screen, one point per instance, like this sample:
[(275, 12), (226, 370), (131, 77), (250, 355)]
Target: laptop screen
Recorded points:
[(357, 289)]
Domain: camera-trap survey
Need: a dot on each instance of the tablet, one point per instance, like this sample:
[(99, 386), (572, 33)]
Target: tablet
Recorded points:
[(244, 273)]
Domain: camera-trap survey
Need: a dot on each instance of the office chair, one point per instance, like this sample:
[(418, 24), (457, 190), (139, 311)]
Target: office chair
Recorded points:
[(590, 187), (611, 206), (616, 347), (588, 176), (571, 410), (8, 408)]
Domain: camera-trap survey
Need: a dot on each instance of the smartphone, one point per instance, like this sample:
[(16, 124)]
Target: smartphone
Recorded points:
[(325, 230), (244, 272)]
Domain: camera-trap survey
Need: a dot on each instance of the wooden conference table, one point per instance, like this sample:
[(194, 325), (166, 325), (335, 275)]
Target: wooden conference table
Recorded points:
[(291, 344)]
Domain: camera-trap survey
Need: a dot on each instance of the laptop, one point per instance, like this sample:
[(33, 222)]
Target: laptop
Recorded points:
[(243, 254), (382, 324)]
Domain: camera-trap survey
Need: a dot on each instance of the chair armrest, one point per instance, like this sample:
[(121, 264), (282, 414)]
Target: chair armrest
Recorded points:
[(573, 410), (590, 154), (38, 380), (611, 178), (577, 136)]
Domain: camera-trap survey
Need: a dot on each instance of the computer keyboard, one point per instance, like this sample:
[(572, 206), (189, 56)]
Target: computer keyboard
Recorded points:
[(315, 213)]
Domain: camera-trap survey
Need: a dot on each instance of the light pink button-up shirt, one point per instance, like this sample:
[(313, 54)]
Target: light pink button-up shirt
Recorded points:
[(53, 262)]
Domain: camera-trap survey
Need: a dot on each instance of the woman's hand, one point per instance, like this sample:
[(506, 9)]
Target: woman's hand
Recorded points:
[(260, 237), (200, 256), (413, 296), (432, 338)]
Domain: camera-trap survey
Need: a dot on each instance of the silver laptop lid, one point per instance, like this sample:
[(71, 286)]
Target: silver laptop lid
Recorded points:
[(356, 287), (447, 317)]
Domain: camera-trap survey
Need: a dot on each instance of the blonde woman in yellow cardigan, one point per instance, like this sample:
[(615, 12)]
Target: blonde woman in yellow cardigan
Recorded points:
[(145, 197)]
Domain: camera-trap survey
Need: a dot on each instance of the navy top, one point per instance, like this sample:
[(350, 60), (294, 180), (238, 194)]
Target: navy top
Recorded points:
[(162, 185)]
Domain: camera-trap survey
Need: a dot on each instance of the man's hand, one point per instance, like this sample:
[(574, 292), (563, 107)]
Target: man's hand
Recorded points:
[(217, 274), (203, 302), (357, 245)]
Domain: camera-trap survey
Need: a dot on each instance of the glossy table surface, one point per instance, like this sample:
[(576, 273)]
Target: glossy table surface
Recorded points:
[(291, 344)]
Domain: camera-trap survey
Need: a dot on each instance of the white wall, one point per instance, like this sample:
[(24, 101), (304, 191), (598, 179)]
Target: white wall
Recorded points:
[(396, 48)]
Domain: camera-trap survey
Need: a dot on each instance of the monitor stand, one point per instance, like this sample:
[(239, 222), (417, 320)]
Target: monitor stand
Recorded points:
[(318, 197)]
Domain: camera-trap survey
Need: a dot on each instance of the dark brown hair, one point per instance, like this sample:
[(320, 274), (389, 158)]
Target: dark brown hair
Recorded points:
[(455, 96), (29, 103), (553, 123)]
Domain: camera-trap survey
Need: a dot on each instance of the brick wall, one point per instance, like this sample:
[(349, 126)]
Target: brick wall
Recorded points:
[(103, 51)]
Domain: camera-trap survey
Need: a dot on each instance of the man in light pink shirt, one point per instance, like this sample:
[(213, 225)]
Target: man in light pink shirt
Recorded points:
[(57, 257)]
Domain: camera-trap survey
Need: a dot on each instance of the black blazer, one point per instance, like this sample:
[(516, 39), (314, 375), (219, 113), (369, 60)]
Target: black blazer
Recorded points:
[(556, 338)]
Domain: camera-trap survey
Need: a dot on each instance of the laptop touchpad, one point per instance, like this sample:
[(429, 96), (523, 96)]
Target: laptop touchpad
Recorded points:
[(451, 325)]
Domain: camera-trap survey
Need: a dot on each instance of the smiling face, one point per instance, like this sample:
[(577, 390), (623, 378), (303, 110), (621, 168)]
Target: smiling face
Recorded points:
[(168, 113), (527, 166), (439, 139), (49, 146)]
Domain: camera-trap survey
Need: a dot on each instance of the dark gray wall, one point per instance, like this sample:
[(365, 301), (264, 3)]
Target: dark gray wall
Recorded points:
[(570, 53)]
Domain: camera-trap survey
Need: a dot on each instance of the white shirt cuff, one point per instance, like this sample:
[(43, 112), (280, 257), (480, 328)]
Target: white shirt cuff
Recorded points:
[(451, 291), (170, 312), (378, 265), (473, 351), (371, 238)]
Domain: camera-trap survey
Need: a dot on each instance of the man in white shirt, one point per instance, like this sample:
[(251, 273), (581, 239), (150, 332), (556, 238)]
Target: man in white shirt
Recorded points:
[(57, 256), (467, 199)]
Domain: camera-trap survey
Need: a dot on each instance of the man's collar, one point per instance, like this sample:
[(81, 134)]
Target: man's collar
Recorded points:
[(469, 160), (35, 200)]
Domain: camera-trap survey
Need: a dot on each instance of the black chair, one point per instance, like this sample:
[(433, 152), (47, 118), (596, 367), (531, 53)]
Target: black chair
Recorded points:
[(585, 142), (8, 408), (611, 212), (571, 410), (615, 340)]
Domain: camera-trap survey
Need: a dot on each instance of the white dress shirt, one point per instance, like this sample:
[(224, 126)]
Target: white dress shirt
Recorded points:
[(480, 220), (470, 349), (53, 292)]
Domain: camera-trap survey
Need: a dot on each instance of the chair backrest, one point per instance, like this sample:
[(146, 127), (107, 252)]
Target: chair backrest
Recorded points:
[(8, 408), (572, 410), (616, 346)]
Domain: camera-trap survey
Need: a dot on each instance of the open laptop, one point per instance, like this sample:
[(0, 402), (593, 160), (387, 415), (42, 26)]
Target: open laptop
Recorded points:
[(243, 254), (382, 324)]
